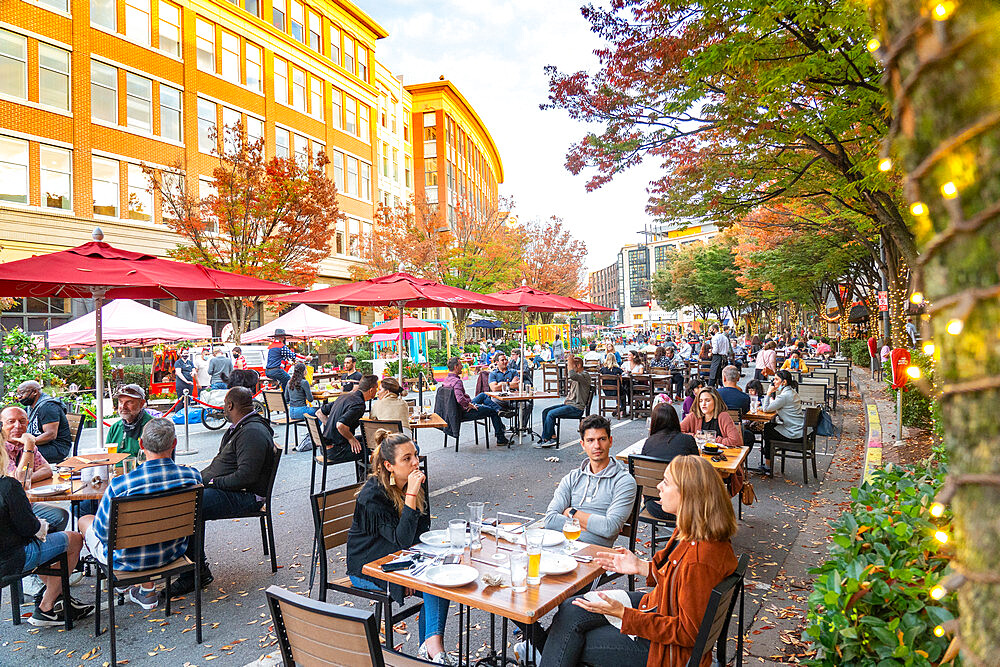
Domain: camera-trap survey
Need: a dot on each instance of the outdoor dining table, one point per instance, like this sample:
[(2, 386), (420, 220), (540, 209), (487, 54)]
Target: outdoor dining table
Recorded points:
[(433, 420), (327, 396), (527, 607), (78, 491), (735, 457), (521, 397), (760, 416)]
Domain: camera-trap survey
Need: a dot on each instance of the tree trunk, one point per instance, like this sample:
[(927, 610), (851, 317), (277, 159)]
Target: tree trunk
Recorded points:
[(459, 316), (942, 81)]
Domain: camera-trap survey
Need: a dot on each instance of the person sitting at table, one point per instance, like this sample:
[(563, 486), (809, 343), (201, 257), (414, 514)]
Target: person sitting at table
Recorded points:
[(21, 452), (472, 411), (709, 414), (577, 399), (298, 393), (795, 363), (782, 397), (665, 442), (766, 362), (546, 353), (684, 350), (823, 348), (349, 373), (26, 542), (46, 420), (390, 514), (730, 391), (125, 432), (159, 473), (390, 405), (592, 354), (219, 368), (691, 390), (343, 417), (634, 363), (665, 621), (514, 363), (609, 348), (497, 378), (660, 359)]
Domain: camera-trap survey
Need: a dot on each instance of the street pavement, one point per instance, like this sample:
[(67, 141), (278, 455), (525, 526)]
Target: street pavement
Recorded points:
[(236, 623)]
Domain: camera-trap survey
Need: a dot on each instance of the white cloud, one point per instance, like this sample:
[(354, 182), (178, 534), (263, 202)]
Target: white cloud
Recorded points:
[(494, 52)]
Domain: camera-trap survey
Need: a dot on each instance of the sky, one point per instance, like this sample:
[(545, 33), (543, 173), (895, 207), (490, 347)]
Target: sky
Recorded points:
[(494, 52)]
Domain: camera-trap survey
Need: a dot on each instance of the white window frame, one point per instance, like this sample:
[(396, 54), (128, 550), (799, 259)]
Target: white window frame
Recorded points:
[(179, 110), (281, 80), (299, 94), (130, 97), (316, 96), (23, 59), (254, 63), (64, 173), (93, 82), (335, 50), (230, 116), (65, 74), (205, 43), (282, 149), (141, 193), (349, 63), (203, 118), (296, 17), (165, 8), (117, 183), (113, 25), (138, 21), (230, 57), (24, 149)]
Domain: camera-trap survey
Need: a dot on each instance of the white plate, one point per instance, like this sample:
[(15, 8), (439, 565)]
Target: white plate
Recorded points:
[(50, 490), (557, 563), (439, 538), (550, 538), (451, 575)]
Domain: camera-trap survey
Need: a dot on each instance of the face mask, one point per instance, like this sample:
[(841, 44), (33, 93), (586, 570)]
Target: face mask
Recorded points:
[(236, 355), (26, 402)]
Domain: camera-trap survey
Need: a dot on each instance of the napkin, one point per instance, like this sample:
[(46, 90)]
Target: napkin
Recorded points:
[(43, 530), (615, 594)]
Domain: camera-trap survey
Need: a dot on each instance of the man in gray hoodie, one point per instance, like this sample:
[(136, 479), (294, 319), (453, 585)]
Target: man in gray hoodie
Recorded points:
[(599, 493)]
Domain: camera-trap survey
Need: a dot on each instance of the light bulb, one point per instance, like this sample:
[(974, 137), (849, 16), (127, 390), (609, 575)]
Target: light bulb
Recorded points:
[(941, 537), (885, 164), (874, 44), (939, 631), (943, 10), (913, 372), (918, 208), (955, 327), (938, 592), (917, 298), (937, 510), (929, 349), (949, 190)]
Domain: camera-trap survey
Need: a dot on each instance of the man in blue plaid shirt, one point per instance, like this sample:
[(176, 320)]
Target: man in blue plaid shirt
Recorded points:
[(158, 473)]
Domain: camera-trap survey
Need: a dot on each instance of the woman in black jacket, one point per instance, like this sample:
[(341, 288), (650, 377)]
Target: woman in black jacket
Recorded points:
[(665, 442), (389, 515)]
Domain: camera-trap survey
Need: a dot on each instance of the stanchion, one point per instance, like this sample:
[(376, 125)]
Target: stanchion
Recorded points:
[(187, 431)]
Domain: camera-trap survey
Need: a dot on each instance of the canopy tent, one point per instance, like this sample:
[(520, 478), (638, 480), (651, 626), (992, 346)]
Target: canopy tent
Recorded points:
[(127, 322), (409, 324), (486, 324), (99, 271), (306, 322)]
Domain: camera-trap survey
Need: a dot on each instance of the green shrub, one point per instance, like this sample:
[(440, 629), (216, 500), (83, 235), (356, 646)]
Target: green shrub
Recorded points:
[(918, 409), (82, 375), (22, 359), (471, 348), (410, 369), (856, 350), (870, 602)]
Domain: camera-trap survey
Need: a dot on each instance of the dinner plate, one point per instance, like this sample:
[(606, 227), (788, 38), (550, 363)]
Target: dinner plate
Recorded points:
[(451, 576), (550, 538), (439, 538), (50, 490), (557, 563)]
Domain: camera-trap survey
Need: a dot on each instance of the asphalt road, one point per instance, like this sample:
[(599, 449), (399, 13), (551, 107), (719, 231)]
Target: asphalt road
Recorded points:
[(236, 622)]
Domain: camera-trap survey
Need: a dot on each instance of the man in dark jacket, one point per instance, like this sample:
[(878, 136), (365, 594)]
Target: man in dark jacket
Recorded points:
[(236, 479)]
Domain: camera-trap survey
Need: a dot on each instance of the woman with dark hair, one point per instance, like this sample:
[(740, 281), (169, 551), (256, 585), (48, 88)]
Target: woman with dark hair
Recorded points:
[(755, 345), (782, 397), (665, 442), (754, 388), (390, 514), (660, 358), (298, 393), (690, 389)]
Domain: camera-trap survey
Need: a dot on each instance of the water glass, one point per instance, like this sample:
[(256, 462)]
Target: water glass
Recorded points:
[(518, 571), (456, 534), (128, 465), (699, 439), (534, 538), (475, 525)]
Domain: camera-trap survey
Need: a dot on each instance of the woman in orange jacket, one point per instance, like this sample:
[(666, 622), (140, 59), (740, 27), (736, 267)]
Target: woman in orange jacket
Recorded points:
[(664, 621)]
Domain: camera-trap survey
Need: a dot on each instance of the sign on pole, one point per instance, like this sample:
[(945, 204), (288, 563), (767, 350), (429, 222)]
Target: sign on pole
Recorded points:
[(883, 301)]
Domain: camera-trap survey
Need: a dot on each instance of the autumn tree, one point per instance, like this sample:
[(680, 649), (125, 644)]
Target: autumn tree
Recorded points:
[(554, 260), (943, 83), (270, 219), (701, 276)]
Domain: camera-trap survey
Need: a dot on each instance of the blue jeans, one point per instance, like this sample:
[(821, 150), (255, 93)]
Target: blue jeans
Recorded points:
[(279, 376), (218, 385), (57, 517), (549, 418), (297, 411), (219, 504), (487, 407), (36, 552), (433, 617)]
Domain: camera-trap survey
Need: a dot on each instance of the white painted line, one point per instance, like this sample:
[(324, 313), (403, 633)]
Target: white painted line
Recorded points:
[(614, 426), (455, 486)]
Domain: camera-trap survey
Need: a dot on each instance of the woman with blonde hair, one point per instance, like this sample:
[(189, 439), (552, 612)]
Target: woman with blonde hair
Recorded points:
[(708, 413), (390, 514), (664, 621)]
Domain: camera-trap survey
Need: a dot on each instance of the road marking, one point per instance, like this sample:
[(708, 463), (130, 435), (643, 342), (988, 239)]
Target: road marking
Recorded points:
[(614, 426), (455, 486)]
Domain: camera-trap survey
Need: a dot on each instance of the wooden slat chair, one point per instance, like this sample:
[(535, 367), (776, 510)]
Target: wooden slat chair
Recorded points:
[(321, 456), (830, 378), (274, 400), (76, 422), (642, 395), (662, 380), (631, 531), (610, 395), (559, 420), (369, 427), (550, 376), (714, 627), (648, 472), (813, 394), (58, 566), (264, 514), (146, 520), (333, 513), (318, 634), (803, 448)]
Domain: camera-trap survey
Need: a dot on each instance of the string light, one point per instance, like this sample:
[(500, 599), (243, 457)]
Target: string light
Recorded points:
[(873, 46), (918, 208), (943, 10), (938, 592), (941, 537), (949, 190), (939, 631), (929, 349), (955, 327), (885, 164), (937, 510), (917, 298)]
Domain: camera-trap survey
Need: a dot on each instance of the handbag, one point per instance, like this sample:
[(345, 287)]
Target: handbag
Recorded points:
[(766, 372), (747, 495), (825, 425)]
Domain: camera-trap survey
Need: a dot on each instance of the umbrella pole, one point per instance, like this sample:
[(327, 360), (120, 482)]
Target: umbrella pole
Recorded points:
[(99, 365), (400, 304)]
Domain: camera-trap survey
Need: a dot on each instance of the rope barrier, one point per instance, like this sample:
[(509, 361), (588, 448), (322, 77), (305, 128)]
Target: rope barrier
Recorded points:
[(214, 407), (87, 410)]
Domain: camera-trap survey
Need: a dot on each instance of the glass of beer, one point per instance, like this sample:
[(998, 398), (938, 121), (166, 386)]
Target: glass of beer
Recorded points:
[(534, 539), (571, 530), (65, 472), (112, 448)]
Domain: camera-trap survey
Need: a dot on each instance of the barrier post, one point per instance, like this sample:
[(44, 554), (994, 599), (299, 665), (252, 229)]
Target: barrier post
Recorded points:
[(187, 430)]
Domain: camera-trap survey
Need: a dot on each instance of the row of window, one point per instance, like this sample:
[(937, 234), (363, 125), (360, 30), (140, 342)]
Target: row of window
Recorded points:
[(142, 95), (305, 92), (139, 21), (306, 26), (53, 70), (56, 174), (234, 58)]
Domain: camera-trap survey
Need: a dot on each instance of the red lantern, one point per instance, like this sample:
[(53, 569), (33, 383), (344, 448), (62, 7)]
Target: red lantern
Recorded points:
[(899, 361)]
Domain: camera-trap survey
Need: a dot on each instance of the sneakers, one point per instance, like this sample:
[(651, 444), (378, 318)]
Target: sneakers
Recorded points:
[(441, 658), (185, 583), (521, 653), (544, 444), (77, 609), (147, 598), (54, 616)]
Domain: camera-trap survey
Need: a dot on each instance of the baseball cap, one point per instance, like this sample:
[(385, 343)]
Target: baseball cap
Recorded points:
[(131, 391)]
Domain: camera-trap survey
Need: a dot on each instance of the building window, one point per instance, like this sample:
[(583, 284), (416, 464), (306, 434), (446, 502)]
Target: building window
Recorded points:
[(316, 97), (340, 238), (395, 165), (638, 277), (53, 76), (231, 118), (351, 116), (205, 34), (35, 314), (363, 64), (335, 44), (137, 21), (318, 148), (352, 176), (56, 177), (366, 182), (139, 102), (60, 5), (255, 131), (385, 160), (104, 13), (338, 109), (170, 113), (170, 29), (280, 81), (298, 89), (297, 21), (406, 131), (301, 151), (217, 317), (430, 171), (103, 92), (338, 171), (407, 169), (281, 142), (13, 65), (230, 57), (206, 125), (315, 32), (278, 15), (349, 54), (13, 170), (206, 191), (254, 68), (105, 187), (364, 122), (140, 199)]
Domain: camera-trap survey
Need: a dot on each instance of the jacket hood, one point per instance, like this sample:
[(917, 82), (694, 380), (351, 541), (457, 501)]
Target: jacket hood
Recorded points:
[(614, 468), (253, 418)]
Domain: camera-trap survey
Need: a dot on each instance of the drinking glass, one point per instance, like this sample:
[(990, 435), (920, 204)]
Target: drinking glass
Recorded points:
[(128, 465), (112, 448), (571, 530), (456, 534), (475, 525), (518, 571), (699, 439), (711, 437), (534, 538)]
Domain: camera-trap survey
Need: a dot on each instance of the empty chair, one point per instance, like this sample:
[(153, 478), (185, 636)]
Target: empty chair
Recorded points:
[(611, 395), (642, 395), (843, 377), (550, 376), (829, 377), (812, 394), (274, 400)]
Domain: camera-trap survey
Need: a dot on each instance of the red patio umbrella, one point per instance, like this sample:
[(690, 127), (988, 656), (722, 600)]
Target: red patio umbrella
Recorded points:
[(411, 324), (100, 271), (399, 290)]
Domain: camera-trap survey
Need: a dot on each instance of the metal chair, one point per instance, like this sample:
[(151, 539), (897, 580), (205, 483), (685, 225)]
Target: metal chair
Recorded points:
[(648, 472), (843, 377), (320, 634), (76, 422), (813, 394), (48, 568), (264, 514), (829, 377), (322, 456), (446, 405), (714, 628), (559, 420), (275, 402), (803, 448)]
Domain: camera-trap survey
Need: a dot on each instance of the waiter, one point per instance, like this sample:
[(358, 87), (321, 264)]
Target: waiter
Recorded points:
[(721, 349)]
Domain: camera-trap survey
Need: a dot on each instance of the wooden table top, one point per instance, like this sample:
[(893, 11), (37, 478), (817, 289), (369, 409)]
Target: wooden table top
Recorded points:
[(79, 491), (735, 456), (434, 421), (760, 416), (526, 607), (81, 461), (526, 396)]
